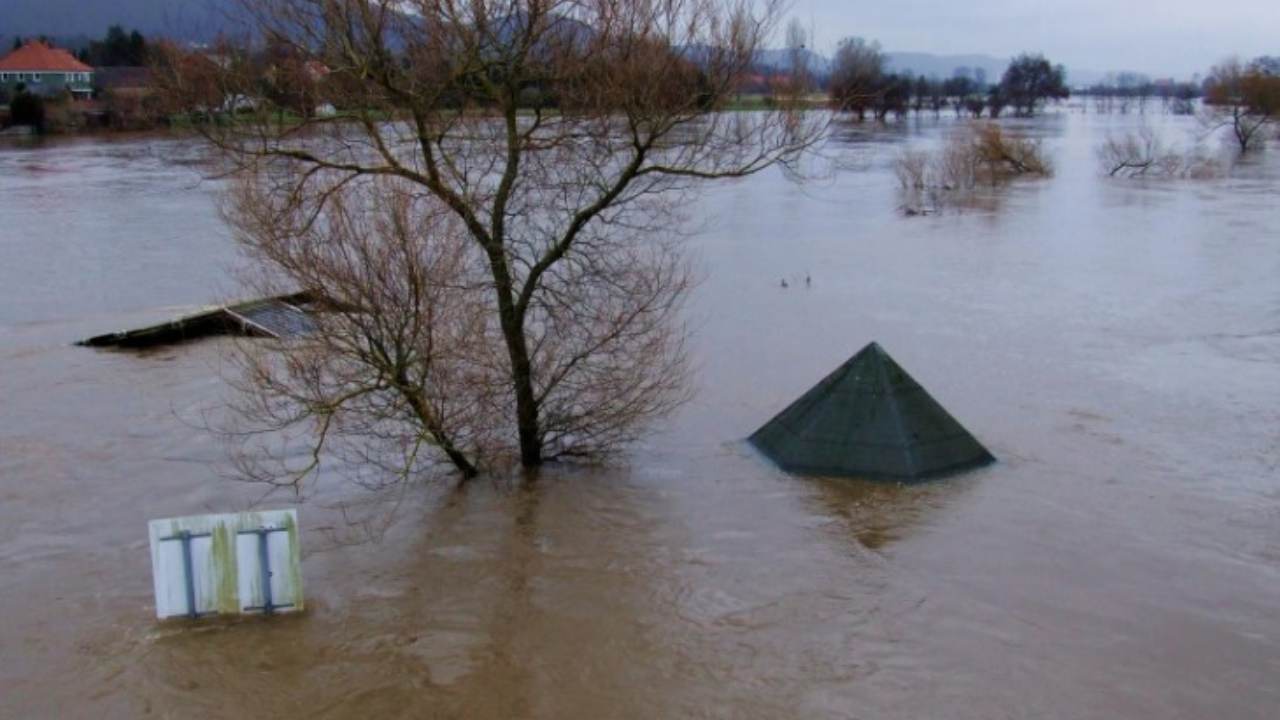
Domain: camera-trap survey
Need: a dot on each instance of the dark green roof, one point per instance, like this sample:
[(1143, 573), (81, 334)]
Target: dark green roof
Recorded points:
[(869, 419)]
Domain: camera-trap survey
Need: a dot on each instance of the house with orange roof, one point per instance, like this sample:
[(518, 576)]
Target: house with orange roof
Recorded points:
[(45, 70)]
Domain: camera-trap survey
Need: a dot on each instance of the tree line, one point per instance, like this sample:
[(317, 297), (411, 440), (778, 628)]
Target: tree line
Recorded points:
[(116, 49), (1134, 92), (861, 84)]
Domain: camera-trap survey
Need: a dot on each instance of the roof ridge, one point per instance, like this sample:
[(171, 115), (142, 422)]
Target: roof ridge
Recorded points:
[(906, 443)]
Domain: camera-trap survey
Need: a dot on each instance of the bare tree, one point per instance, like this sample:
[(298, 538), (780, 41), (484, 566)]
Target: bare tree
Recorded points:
[(1031, 80), (541, 149), (1244, 99), (405, 362)]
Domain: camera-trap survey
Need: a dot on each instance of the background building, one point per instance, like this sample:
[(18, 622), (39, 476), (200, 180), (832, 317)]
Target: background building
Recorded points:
[(45, 70)]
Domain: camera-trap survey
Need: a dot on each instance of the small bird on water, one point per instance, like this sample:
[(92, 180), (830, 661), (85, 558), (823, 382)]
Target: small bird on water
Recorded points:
[(784, 283)]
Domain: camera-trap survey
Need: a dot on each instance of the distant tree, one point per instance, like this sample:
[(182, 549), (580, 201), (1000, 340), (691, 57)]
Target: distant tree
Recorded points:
[(798, 54), (1242, 98), (1126, 91), (1132, 89), (920, 92), (959, 88), (857, 76), (17, 43), (1031, 80), (117, 48), (937, 98), (997, 101), (137, 49), (892, 96), (1183, 100)]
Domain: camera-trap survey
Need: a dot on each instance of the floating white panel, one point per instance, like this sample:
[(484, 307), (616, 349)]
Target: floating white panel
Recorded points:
[(216, 564)]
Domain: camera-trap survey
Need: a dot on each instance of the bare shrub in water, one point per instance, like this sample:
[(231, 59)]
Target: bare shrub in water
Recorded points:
[(1003, 157), (913, 170), (559, 136), (1143, 153), (980, 154)]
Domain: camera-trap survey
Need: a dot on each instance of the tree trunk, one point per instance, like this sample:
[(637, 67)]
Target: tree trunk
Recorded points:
[(512, 322), (526, 404)]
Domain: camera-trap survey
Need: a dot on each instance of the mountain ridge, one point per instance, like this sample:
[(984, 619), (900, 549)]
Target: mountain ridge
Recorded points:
[(72, 23)]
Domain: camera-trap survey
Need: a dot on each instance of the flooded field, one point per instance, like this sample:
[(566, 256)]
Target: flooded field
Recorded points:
[(1116, 343)]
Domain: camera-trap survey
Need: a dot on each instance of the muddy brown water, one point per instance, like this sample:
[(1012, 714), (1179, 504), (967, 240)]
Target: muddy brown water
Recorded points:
[(1116, 344)]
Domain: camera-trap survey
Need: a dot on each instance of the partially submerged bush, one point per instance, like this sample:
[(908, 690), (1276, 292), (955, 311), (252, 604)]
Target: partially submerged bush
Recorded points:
[(980, 154), (1003, 157), (1144, 153), (914, 170)]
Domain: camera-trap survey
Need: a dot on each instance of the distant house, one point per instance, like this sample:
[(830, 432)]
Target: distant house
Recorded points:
[(46, 70)]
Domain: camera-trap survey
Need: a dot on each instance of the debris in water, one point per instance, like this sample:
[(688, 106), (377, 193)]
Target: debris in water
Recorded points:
[(870, 419)]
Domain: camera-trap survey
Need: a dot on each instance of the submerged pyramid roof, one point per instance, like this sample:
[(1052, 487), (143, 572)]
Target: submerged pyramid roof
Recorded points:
[(869, 419)]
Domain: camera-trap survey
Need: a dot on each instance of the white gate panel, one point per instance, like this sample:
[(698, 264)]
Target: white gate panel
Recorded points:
[(210, 564)]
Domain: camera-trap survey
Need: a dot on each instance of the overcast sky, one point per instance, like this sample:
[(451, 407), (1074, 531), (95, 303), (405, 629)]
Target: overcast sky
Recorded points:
[(1157, 37)]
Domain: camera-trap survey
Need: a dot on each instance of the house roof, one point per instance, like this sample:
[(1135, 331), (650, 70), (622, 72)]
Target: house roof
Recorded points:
[(869, 419), (36, 56)]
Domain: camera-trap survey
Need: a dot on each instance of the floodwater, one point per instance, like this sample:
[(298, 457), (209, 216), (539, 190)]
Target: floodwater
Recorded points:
[(1116, 343)]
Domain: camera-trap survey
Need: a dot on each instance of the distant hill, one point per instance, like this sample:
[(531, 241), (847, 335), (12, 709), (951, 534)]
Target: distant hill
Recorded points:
[(196, 20), (944, 66), (780, 60)]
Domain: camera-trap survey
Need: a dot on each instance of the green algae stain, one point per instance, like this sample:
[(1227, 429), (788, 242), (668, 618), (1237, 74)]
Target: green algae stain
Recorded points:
[(224, 569)]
